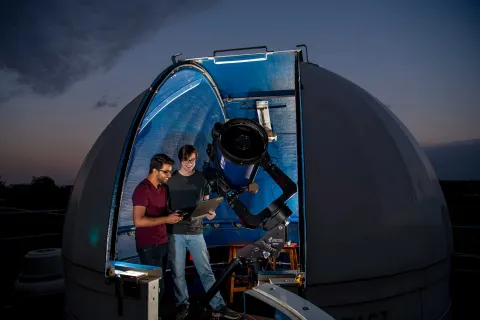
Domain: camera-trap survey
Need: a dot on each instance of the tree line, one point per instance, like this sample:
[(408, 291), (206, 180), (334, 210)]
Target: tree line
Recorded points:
[(40, 194)]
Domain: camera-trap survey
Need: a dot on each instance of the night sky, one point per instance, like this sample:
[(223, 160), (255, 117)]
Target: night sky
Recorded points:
[(68, 67)]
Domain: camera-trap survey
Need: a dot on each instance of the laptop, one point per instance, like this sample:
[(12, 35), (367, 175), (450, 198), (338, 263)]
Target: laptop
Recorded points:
[(202, 209)]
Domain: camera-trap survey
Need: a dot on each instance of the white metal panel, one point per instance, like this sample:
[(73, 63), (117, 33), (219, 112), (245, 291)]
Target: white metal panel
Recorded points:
[(374, 208), (88, 214)]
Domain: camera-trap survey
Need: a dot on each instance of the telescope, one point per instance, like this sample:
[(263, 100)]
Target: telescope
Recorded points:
[(239, 148)]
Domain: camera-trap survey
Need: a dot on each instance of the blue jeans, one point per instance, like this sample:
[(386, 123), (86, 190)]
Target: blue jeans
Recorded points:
[(155, 255), (195, 243)]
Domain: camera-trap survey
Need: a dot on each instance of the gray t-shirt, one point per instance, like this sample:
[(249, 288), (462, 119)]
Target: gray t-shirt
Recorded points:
[(184, 194)]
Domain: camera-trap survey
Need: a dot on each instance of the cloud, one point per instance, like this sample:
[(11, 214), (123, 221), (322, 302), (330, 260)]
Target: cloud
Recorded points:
[(103, 102), (9, 86), (49, 46)]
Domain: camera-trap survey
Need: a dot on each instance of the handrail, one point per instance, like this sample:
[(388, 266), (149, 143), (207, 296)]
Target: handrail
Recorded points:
[(466, 227), (20, 211), (235, 226), (240, 49)]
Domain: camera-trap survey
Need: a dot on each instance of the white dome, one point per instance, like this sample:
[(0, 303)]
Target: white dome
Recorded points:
[(88, 222), (377, 225), (375, 236)]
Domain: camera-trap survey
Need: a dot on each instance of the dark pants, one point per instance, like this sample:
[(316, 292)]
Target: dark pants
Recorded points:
[(155, 255)]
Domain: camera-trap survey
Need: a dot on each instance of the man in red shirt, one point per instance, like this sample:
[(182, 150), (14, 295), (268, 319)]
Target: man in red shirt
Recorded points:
[(151, 214)]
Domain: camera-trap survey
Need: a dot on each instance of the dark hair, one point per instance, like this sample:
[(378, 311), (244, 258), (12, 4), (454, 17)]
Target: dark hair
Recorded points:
[(159, 160), (186, 151)]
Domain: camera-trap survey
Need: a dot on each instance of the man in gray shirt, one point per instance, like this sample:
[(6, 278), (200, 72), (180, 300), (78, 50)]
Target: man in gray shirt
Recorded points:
[(187, 187)]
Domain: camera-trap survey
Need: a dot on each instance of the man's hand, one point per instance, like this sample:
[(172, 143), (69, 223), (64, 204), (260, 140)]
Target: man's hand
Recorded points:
[(173, 218), (211, 215)]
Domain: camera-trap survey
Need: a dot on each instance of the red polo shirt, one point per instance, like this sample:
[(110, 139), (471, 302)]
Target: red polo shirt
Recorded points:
[(154, 199)]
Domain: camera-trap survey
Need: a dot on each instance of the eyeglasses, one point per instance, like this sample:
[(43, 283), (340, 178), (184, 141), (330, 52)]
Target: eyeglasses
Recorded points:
[(167, 172), (191, 161)]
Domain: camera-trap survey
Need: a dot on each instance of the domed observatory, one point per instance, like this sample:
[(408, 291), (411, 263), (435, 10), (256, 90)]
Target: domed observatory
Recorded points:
[(298, 154)]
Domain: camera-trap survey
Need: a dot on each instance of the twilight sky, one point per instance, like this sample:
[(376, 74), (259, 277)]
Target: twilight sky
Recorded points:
[(67, 67)]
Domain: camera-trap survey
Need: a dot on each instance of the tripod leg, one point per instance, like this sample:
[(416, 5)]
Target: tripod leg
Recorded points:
[(216, 286), (196, 309)]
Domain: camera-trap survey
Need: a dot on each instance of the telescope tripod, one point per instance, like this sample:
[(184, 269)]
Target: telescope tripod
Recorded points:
[(269, 245)]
